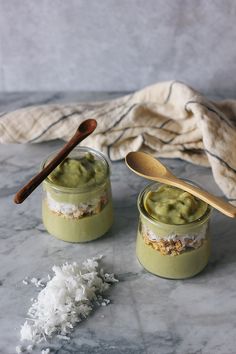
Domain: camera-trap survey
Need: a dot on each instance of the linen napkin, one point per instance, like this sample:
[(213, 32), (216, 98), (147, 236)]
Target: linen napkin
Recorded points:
[(168, 119)]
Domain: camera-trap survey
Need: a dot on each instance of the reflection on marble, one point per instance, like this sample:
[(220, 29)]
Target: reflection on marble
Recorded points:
[(148, 314)]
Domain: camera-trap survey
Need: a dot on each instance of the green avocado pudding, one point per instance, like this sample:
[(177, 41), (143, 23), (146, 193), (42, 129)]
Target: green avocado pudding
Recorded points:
[(77, 200), (173, 238), (172, 205), (74, 173)]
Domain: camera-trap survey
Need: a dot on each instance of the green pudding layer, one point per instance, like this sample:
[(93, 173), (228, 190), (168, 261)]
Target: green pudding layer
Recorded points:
[(77, 230), (184, 265), (84, 171), (174, 206), (77, 202)]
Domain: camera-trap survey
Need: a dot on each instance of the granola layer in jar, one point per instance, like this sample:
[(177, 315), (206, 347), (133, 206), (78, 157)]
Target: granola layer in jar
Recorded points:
[(77, 201), (173, 238)]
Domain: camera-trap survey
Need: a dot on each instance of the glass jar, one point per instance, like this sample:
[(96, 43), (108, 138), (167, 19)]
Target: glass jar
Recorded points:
[(168, 250), (79, 214)]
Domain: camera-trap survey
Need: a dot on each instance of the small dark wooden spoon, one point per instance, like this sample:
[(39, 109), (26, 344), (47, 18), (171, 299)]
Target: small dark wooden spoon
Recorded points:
[(84, 130)]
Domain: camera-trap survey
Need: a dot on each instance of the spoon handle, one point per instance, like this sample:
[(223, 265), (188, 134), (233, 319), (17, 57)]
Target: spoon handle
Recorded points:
[(217, 203), (80, 135)]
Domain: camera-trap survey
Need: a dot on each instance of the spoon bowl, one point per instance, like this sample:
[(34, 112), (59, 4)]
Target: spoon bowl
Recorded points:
[(148, 167), (145, 165), (87, 126)]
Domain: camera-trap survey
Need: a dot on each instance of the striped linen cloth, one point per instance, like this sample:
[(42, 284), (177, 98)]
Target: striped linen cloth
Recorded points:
[(168, 119)]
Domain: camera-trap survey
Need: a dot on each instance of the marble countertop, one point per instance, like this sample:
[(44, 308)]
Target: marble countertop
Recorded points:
[(147, 314)]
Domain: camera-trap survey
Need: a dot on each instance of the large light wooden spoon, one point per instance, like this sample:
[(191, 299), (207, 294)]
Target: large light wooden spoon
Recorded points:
[(147, 166), (84, 130)]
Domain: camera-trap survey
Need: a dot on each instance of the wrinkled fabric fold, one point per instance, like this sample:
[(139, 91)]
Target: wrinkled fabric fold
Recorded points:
[(168, 119)]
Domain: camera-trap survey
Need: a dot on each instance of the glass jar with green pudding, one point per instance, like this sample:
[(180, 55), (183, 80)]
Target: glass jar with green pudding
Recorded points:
[(173, 238), (77, 201)]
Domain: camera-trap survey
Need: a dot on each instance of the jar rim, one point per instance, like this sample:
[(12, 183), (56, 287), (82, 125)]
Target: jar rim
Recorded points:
[(151, 219), (81, 189)]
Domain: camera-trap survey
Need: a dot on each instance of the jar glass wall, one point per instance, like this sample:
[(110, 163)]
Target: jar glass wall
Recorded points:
[(79, 214), (169, 250)]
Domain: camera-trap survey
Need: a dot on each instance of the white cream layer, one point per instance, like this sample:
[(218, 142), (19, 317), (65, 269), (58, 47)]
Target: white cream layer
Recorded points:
[(70, 210), (186, 239)]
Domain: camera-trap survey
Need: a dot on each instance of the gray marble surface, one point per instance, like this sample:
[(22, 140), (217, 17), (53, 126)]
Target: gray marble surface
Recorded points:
[(148, 314)]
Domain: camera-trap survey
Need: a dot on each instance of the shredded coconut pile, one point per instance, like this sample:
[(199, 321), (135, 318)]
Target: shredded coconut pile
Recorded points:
[(66, 299)]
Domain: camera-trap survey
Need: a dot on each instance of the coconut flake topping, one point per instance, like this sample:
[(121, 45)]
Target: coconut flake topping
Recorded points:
[(67, 298)]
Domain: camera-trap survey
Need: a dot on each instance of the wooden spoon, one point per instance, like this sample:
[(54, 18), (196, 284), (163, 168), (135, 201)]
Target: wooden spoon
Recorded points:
[(147, 166), (84, 130)]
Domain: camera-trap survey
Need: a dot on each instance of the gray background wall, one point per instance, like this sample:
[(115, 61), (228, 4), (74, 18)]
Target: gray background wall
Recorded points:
[(117, 44)]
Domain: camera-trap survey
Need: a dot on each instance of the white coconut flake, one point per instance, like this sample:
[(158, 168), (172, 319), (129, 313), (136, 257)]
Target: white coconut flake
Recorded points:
[(19, 349), (29, 348), (108, 277), (45, 351), (27, 331), (105, 302), (38, 282), (67, 298)]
